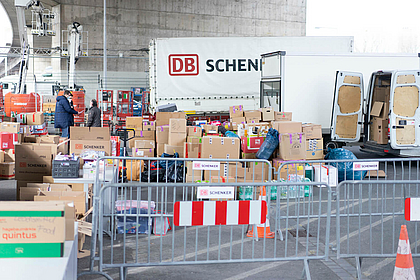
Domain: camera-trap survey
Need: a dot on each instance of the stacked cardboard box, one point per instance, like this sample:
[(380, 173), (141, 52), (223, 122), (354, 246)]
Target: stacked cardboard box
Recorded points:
[(177, 137), (143, 148), (162, 138), (314, 142), (379, 115), (90, 138)]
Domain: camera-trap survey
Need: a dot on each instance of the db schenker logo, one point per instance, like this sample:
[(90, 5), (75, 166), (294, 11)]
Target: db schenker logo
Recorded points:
[(183, 65)]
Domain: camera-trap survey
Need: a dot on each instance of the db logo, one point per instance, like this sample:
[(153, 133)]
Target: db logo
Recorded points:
[(22, 164), (357, 165), (78, 146), (183, 64), (204, 192), (197, 165)]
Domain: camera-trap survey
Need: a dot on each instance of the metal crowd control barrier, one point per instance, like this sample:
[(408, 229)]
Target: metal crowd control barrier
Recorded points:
[(369, 218), (303, 236)]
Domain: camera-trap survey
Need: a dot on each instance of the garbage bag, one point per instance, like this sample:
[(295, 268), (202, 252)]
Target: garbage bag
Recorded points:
[(175, 173), (345, 169), (270, 144)]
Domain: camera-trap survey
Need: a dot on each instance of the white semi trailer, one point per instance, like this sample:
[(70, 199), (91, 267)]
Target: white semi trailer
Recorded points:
[(348, 94), (211, 74)]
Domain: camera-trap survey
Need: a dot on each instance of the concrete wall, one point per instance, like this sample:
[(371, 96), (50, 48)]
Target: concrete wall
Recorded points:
[(132, 23)]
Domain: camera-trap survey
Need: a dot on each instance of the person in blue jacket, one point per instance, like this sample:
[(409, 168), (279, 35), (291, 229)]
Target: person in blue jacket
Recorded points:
[(64, 114)]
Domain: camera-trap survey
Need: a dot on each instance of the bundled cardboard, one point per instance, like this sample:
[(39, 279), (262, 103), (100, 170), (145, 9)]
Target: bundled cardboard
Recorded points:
[(146, 152), (220, 147), (134, 122), (35, 118), (33, 161), (312, 131), (267, 114), (162, 134), (177, 132), (292, 146), (283, 116), (192, 150), (196, 131), (236, 111), (314, 149), (287, 127), (162, 118), (149, 125)]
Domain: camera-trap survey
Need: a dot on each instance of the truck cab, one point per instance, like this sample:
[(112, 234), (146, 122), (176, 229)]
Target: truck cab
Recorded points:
[(386, 118)]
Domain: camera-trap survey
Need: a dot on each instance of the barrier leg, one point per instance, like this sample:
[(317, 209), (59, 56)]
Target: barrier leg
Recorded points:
[(359, 267), (305, 271)]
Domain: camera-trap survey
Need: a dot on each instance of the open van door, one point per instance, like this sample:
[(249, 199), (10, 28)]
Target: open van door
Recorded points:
[(347, 113), (405, 113)]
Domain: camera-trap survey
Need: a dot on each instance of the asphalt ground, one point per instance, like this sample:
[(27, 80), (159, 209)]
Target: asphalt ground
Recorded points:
[(366, 235)]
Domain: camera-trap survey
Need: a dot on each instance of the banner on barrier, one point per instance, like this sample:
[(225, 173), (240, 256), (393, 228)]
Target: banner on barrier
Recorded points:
[(368, 165)]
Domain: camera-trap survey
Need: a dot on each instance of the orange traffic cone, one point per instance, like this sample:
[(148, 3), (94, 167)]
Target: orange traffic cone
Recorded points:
[(260, 227), (404, 268)]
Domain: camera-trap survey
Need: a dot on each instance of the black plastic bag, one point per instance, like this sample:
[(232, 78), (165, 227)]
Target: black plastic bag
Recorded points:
[(175, 173)]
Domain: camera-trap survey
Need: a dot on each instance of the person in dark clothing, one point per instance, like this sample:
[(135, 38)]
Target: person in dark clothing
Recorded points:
[(94, 117), (64, 114)]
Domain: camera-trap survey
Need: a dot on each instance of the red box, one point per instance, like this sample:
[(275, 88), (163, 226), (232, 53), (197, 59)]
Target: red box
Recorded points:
[(6, 140), (251, 144)]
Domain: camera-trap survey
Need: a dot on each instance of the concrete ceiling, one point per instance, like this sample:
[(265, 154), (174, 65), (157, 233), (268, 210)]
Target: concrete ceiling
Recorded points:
[(10, 8)]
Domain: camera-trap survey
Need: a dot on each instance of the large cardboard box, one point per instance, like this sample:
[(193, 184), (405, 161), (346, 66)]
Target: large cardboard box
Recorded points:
[(49, 139), (237, 121), (149, 125), (210, 129), (174, 149), (379, 131), (162, 134), (144, 144), (33, 161), (283, 116), (192, 150), (236, 111), (292, 146), (290, 169), (90, 133), (134, 122), (267, 114), (287, 127), (312, 131), (31, 190), (11, 127), (220, 147), (35, 118), (7, 170), (194, 131), (78, 198), (177, 132), (41, 233), (146, 152), (162, 118), (77, 146), (252, 115), (314, 149), (140, 135), (254, 172)]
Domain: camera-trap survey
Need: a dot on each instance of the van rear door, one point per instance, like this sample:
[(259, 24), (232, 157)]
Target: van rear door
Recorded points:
[(347, 113), (405, 114)]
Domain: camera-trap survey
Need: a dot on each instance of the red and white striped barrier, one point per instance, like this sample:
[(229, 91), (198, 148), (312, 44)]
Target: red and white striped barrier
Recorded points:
[(412, 209), (210, 213)]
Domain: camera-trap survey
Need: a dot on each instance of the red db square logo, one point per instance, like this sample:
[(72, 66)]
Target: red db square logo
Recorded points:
[(204, 192), (183, 65)]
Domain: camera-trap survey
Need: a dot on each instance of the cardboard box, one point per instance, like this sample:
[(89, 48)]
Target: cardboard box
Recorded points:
[(63, 146), (77, 146), (251, 144), (290, 169), (248, 155), (1, 156), (162, 118), (292, 146), (42, 230), (314, 149), (326, 174), (6, 140), (140, 135), (207, 174), (149, 125), (9, 155), (90, 133), (210, 129), (192, 178), (50, 139), (283, 116), (31, 190), (177, 132), (7, 170), (267, 114), (237, 121), (379, 131), (196, 131), (35, 118), (255, 172), (287, 127), (162, 134), (78, 198), (252, 120), (236, 111), (53, 147), (144, 144), (33, 161), (194, 140), (174, 149), (380, 110), (11, 127), (160, 149), (253, 114), (220, 147), (134, 122), (137, 152), (312, 131), (48, 107), (192, 150)]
